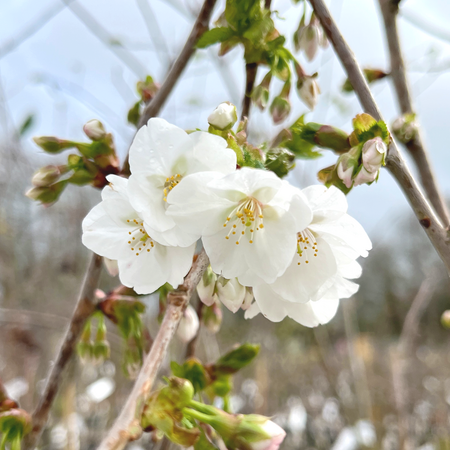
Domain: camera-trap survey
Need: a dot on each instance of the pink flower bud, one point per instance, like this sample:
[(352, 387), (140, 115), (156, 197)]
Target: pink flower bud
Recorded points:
[(373, 154), (345, 168), (308, 90), (223, 117), (94, 130), (189, 325), (311, 38), (276, 433), (365, 177), (46, 176)]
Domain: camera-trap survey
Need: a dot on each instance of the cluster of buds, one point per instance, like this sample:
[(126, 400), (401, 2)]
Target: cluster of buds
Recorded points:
[(123, 308), (309, 37), (405, 128), (362, 163), (147, 90), (231, 293), (307, 87), (15, 423), (94, 351), (95, 162)]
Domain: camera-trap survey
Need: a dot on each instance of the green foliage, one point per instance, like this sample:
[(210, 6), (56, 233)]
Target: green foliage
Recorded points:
[(280, 161), (236, 359), (214, 36), (14, 425), (26, 125), (371, 76), (192, 370), (366, 128)]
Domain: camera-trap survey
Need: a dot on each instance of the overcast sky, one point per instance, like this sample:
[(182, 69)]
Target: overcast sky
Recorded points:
[(65, 75)]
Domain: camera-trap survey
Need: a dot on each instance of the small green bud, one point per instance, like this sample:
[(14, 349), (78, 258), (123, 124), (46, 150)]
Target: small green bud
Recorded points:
[(280, 161), (212, 317), (405, 128), (94, 130), (47, 195), (260, 94), (281, 106), (308, 90), (14, 425), (52, 144), (326, 136)]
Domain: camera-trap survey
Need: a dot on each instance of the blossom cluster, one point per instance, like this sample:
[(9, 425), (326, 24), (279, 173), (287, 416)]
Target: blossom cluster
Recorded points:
[(295, 250)]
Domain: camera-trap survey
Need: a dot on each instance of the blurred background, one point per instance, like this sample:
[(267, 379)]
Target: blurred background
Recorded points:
[(380, 367)]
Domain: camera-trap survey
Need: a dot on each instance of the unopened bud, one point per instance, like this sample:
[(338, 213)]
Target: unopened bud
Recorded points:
[(308, 90), (280, 161), (14, 425), (445, 319), (405, 128), (206, 287), (189, 325), (223, 117), (94, 130), (212, 317), (347, 165), (52, 144), (373, 154), (260, 94), (46, 175), (46, 195), (281, 106), (326, 136), (231, 293), (311, 37), (364, 177)]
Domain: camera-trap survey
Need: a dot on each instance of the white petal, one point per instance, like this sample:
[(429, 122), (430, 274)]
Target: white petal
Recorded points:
[(253, 311), (300, 282), (158, 147), (313, 314), (346, 230), (326, 203), (211, 153), (270, 303)]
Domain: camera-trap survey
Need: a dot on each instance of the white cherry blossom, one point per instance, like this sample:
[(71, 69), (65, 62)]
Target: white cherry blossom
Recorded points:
[(246, 220), (115, 230), (160, 157)]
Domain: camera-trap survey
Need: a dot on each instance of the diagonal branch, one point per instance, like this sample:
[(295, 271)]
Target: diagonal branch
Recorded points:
[(395, 163), (416, 146), (84, 308), (127, 425)]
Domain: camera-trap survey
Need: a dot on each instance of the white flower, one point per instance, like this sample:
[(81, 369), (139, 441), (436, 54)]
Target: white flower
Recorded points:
[(364, 176), (223, 117), (189, 325), (231, 293), (308, 90), (160, 157), (373, 154), (207, 286), (115, 230), (246, 220), (310, 289)]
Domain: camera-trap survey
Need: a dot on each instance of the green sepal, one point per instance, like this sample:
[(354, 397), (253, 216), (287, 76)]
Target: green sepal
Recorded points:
[(214, 36)]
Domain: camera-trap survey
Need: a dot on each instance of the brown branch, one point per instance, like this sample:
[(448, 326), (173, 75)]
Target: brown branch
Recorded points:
[(416, 146), (127, 425), (84, 308), (152, 108), (3, 393), (250, 73), (395, 163)]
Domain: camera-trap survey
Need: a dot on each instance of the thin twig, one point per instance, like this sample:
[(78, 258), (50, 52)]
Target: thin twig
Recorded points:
[(395, 163), (127, 425), (84, 308), (416, 146), (200, 26)]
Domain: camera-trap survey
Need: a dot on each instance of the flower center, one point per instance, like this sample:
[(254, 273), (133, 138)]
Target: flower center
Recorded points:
[(170, 183), (139, 240), (246, 216), (306, 241)]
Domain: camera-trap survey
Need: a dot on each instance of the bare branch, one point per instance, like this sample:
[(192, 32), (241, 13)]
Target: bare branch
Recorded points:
[(84, 308), (395, 163), (127, 425), (250, 71), (416, 146)]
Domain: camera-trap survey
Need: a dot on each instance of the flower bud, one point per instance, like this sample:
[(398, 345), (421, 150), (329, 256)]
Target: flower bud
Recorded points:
[(276, 436), (311, 37), (223, 117), (231, 293), (308, 90), (373, 154), (46, 195), (260, 94), (281, 106), (405, 128), (52, 144), (445, 319), (326, 136), (46, 175), (206, 287), (94, 130), (347, 165), (112, 266), (189, 325), (364, 176), (212, 317)]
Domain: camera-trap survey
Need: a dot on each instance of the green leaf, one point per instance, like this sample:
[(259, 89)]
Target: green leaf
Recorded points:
[(193, 371), (214, 36), (26, 124), (236, 359)]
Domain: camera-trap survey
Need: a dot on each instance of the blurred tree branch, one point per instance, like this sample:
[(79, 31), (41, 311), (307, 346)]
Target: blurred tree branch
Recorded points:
[(416, 146), (127, 425), (394, 161)]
